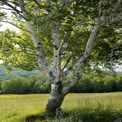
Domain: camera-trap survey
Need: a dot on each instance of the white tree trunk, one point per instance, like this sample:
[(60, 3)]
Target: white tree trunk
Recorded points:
[(56, 97), (39, 51), (58, 91)]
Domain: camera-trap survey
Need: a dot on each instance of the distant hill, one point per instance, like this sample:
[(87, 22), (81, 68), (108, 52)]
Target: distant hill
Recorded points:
[(16, 73)]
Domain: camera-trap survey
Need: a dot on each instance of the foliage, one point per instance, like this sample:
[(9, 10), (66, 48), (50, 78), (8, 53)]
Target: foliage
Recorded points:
[(76, 21), (0, 87), (105, 83), (33, 84), (119, 83), (16, 86), (39, 84)]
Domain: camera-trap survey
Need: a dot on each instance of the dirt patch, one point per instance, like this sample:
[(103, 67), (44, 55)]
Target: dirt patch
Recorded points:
[(33, 118)]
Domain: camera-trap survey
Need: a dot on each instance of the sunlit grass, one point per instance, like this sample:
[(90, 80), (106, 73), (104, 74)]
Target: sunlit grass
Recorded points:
[(105, 100), (19, 106), (15, 108)]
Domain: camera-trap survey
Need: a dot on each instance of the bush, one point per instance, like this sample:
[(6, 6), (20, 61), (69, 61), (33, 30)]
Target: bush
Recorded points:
[(0, 86), (87, 84), (92, 83), (14, 86), (110, 84), (32, 84), (119, 83)]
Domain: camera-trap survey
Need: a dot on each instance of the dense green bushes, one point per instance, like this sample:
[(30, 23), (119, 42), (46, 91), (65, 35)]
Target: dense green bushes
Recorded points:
[(105, 83), (36, 84), (32, 84)]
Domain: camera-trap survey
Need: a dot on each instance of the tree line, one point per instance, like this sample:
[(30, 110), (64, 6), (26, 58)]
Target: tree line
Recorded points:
[(37, 84)]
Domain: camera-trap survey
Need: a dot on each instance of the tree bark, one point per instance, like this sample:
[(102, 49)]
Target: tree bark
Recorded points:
[(56, 97), (58, 92)]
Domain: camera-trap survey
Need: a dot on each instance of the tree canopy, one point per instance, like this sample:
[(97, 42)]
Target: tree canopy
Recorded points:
[(75, 20)]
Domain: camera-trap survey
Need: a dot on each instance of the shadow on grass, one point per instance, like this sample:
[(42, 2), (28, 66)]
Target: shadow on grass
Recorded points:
[(32, 118), (42, 117), (95, 115), (78, 115)]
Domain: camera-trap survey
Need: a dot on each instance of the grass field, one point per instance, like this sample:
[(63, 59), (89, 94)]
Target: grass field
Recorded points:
[(105, 107)]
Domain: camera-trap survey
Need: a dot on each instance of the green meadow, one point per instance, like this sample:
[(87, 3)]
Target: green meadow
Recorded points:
[(98, 107)]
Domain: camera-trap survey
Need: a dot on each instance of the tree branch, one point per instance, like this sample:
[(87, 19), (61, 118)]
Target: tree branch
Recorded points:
[(36, 1), (49, 2), (68, 60), (37, 44), (14, 25), (6, 8), (56, 62), (19, 37), (65, 2), (74, 80), (82, 60), (63, 41), (66, 72), (14, 8)]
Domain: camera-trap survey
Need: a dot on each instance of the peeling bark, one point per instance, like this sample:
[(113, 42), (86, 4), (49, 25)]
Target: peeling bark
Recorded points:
[(37, 44), (56, 97), (57, 60), (74, 80)]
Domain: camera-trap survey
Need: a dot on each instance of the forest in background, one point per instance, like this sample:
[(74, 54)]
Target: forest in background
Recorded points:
[(31, 82), (16, 73)]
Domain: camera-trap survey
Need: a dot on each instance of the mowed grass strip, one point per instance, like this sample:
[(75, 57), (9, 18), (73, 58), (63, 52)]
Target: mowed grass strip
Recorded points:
[(87, 107)]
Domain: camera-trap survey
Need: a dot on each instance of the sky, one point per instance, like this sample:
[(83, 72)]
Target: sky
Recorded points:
[(4, 27), (7, 25), (1, 61)]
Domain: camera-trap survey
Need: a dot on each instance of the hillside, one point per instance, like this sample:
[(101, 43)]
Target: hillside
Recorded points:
[(16, 73)]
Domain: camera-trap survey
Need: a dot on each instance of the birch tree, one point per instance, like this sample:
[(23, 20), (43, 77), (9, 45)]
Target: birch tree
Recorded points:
[(61, 34)]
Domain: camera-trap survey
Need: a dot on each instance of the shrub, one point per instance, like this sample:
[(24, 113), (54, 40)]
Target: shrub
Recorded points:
[(119, 83), (37, 84), (14, 86), (32, 84)]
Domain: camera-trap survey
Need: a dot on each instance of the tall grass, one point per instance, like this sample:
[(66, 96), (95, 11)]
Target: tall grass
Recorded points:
[(19, 106), (105, 107)]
